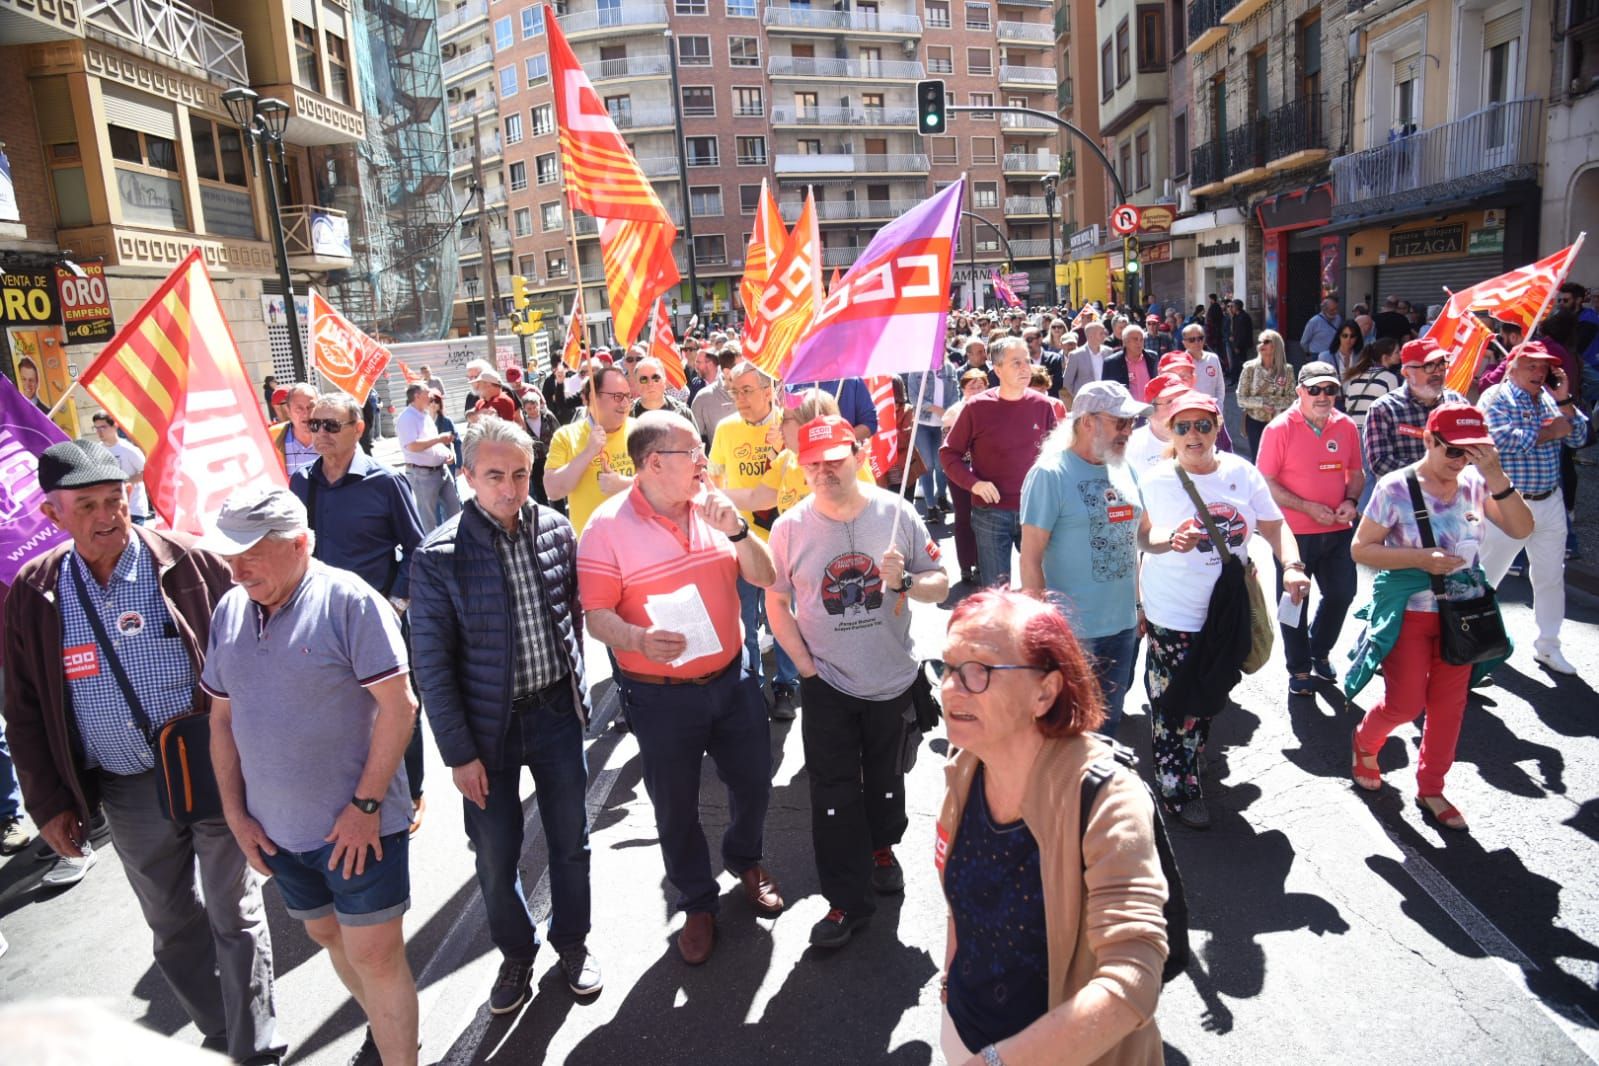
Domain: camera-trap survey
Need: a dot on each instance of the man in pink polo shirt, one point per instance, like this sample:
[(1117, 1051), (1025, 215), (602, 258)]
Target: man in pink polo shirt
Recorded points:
[(1310, 458), (657, 572)]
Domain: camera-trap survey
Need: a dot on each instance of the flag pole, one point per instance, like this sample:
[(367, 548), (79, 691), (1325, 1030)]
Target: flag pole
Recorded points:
[(59, 404), (577, 271), (893, 533), (1576, 250)]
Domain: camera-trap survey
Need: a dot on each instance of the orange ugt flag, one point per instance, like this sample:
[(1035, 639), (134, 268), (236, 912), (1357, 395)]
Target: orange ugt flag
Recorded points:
[(347, 357), (790, 299), (173, 380), (411, 376), (663, 346), (766, 241), (572, 355), (638, 268)]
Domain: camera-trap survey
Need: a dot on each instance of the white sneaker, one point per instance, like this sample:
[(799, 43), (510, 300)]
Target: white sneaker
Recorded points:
[(69, 871), (1552, 659)]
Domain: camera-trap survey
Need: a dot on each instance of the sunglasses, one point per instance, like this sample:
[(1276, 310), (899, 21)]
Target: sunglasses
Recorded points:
[(326, 425), (1451, 452), (1202, 426), (633, 359), (650, 377), (1328, 389)]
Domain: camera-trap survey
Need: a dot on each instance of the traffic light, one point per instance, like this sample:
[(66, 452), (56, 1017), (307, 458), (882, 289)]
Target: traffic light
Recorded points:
[(1130, 255), (525, 323), (519, 292), (934, 118)]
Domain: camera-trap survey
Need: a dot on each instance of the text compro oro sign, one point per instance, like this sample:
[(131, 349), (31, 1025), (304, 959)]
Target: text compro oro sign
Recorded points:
[(85, 303)]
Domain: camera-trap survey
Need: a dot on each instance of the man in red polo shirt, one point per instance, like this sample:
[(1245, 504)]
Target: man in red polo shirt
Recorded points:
[(1310, 458), (658, 569)]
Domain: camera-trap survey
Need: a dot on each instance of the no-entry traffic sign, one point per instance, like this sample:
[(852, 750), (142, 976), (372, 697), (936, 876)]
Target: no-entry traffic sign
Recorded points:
[(1124, 220)]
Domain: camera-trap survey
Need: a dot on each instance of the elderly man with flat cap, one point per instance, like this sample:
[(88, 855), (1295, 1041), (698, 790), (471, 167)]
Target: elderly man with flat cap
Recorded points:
[(115, 626)]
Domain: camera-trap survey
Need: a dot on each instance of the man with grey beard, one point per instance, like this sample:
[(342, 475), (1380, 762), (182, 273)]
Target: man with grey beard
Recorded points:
[(1395, 423), (1081, 491)]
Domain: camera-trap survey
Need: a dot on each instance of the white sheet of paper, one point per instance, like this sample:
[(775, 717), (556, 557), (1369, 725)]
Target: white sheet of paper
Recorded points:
[(1288, 611), (684, 612)]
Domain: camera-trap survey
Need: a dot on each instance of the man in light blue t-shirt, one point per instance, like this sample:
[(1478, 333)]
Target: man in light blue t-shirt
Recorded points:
[(1080, 515)]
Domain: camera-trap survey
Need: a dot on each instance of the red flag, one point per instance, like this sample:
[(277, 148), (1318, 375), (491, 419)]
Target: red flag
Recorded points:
[(638, 268), (1523, 294), (832, 282), (411, 376), (1464, 336), (663, 346), (766, 243), (172, 378), (572, 354), (885, 442), (345, 356), (790, 299)]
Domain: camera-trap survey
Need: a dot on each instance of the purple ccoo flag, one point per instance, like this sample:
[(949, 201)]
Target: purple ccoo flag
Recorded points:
[(24, 433)]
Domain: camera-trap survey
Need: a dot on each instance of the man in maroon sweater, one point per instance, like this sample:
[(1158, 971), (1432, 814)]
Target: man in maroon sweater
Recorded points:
[(990, 449)]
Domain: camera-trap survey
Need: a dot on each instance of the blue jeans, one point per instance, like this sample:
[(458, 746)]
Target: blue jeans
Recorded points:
[(676, 727), (997, 532), (928, 440), (1112, 658), (1328, 564), (10, 791), (752, 612), (546, 737)]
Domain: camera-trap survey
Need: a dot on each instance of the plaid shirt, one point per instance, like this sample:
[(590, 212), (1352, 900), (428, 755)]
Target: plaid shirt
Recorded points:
[(1514, 419), (536, 659), (147, 643), (1394, 428)]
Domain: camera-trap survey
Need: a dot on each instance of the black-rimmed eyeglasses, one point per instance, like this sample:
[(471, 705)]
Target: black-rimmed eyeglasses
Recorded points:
[(974, 676)]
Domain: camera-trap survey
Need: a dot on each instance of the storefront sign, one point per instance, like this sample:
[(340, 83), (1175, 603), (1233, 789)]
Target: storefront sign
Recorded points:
[(85, 304), (1433, 240), (28, 298), (1486, 240), (1085, 239), (1155, 253), (1155, 219), (1019, 283), (1218, 248), (330, 234), (1063, 275), (9, 211), (1271, 279), (227, 211), (1332, 266)]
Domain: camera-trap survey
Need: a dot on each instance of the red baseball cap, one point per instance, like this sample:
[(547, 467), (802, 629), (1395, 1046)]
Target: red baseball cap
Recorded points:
[(603, 357), (1534, 350), (1459, 423), (1421, 351), (824, 439), (1173, 360), (1161, 386), (513, 373), (1194, 400), (280, 395)]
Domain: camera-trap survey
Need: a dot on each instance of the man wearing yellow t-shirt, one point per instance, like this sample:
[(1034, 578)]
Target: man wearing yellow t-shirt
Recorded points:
[(741, 456), (588, 460)]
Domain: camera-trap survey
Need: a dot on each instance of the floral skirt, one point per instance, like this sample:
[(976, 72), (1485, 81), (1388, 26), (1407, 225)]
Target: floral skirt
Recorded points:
[(1176, 739)]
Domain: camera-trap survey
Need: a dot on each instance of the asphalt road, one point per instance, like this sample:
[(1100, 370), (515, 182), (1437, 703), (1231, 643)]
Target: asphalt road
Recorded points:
[(1328, 926)]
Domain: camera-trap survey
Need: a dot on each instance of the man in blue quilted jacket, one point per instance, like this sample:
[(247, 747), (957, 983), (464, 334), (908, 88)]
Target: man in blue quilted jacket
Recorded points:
[(498, 636)]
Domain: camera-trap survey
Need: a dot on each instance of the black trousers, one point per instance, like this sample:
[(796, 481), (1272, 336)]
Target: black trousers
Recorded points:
[(852, 751)]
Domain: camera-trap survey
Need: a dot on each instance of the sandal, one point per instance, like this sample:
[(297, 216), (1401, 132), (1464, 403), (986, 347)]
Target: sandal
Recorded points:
[(1364, 768), (1445, 814)]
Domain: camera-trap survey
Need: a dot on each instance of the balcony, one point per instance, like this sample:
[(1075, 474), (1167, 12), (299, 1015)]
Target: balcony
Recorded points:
[(1063, 20), (1207, 172), (1205, 27), (1039, 33), (1040, 162), (481, 56), (316, 119), (468, 14), (460, 158), (464, 200), (317, 238), (873, 69), (1246, 153), (471, 247), (1064, 94), (172, 33), (658, 167), (650, 66), (1025, 122), (1045, 4), (1016, 206), (31, 22), (631, 18), (1296, 134), (793, 165), (1241, 10), (645, 117), (1042, 77), (1451, 163), (841, 257), (718, 261), (476, 106), (822, 117), (806, 20), (1032, 248), (849, 210)]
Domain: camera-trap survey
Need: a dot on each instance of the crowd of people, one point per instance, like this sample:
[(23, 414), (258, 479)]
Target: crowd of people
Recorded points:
[(1099, 509)]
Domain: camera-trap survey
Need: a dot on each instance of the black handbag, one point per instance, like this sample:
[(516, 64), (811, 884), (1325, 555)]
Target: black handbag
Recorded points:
[(186, 783), (1469, 631)]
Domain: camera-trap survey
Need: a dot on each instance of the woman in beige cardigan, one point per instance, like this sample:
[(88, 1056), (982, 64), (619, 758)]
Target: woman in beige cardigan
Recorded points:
[(1056, 930)]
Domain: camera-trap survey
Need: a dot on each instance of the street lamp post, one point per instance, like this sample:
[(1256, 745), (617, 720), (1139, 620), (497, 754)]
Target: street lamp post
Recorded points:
[(1049, 209), (471, 306), (262, 123)]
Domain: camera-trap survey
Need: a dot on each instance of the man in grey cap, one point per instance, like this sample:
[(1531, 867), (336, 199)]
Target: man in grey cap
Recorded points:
[(115, 625), (311, 713), (1081, 493)]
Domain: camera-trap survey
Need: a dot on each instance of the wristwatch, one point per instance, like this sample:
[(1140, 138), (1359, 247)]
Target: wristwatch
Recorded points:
[(991, 1056), (906, 581), (743, 531), (366, 806)]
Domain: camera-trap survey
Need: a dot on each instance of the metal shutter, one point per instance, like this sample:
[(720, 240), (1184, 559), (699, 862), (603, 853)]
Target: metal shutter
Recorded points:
[(1423, 284), (1500, 30), (139, 111), (1407, 69)]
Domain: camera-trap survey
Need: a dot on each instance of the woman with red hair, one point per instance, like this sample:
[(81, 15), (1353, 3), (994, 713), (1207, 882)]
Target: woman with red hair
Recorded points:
[(1057, 934)]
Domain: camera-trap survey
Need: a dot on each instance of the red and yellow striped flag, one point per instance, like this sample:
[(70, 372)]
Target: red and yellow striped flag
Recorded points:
[(790, 299), (638, 268), (663, 346), (572, 354), (766, 241), (173, 380)]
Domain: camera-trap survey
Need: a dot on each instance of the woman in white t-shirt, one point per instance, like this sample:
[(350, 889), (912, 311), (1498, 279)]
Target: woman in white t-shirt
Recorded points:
[(1180, 569)]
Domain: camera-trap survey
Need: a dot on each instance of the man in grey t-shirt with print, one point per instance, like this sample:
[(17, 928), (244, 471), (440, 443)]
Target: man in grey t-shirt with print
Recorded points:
[(838, 609), (310, 717)]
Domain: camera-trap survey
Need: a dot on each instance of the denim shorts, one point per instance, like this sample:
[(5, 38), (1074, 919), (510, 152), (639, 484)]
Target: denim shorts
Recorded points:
[(382, 891)]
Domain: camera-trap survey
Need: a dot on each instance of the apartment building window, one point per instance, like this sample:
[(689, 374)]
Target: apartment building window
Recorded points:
[(219, 164), (944, 151), (620, 108), (982, 100), (744, 51), (699, 101), (524, 222), (938, 14), (808, 146), (977, 17), (749, 199), (503, 38), (710, 249), (1179, 141), (979, 61), (983, 151), (555, 264), (741, 9), (537, 69), (338, 67), (147, 172), (1123, 53), (703, 152), (507, 81), (986, 241), (1141, 158), (533, 21), (705, 201), (1126, 164), (306, 66), (748, 102), (551, 216), (543, 119), (1151, 38), (940, 59), (528, 267), (1309, 57), (1259, 88), (519, 177), (1107, 71), (751, 151), (694, 51), (549, 169), (1179, 27), (985, 194), (511, 128), (690, 7)]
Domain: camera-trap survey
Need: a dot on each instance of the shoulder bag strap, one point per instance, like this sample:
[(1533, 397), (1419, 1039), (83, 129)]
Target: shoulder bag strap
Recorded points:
[(145, 726), (1423, 523), (1216, 538)]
